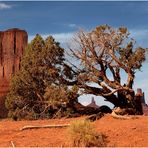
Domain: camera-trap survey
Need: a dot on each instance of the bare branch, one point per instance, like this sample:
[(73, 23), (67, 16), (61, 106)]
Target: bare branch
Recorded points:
[(118, 61), (12, 143), (116, 90), (43, 126)]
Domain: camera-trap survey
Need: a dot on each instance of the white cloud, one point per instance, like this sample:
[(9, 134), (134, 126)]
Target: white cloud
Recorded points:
[(59, 37), (4, 6), (72, 25), (139, 33), (63, 37), (140, 36)]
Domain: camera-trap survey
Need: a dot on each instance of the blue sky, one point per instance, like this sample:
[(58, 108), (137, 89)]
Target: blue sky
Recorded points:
[(62, 19)]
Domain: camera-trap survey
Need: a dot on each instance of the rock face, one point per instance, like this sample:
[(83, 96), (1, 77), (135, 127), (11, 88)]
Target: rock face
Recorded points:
[(141, 95), (12, 45)]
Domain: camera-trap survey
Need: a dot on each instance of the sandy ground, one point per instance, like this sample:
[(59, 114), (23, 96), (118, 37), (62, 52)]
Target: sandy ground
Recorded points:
[(126, 133)]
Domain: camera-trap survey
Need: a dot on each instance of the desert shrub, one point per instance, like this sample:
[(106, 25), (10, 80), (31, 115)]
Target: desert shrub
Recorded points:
[(82, 133)]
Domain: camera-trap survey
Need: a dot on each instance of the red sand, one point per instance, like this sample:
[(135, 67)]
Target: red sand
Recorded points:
[(130, 132)]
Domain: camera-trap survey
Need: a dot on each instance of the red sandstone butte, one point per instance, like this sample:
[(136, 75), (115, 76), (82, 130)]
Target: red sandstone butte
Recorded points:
[(12, 45)]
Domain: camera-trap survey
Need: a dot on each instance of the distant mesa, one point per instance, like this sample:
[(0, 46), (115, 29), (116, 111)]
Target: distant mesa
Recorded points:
[(12, 45), (93, 103)]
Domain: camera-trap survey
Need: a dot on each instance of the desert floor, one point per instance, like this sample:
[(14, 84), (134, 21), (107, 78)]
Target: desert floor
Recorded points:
[(119, 132)]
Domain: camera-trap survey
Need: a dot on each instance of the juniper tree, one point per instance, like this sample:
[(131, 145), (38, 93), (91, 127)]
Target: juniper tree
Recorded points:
[(43, 74), (104, 54)]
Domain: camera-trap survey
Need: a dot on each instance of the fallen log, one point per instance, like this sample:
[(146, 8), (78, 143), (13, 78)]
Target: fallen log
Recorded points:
[(44, 126)]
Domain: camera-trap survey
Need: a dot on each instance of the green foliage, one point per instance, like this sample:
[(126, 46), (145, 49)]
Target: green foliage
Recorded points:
[(82, 134), (39, 82), (132, 58), (58, 95), (55, 94), (123, 47)]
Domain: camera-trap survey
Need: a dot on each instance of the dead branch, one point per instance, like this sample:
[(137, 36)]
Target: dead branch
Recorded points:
[(123, 88), (57, 113), (44, 126), (12, 144)]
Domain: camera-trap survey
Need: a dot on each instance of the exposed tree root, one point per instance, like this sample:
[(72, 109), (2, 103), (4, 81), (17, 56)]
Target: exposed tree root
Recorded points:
[(95, 117), (114, 115), (43, 126)]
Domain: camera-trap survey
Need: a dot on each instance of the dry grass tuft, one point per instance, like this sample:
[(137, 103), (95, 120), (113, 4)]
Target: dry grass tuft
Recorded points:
[(82, 133)]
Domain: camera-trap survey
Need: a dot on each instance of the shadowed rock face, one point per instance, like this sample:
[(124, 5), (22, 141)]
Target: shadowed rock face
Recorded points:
[(12, 45)]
